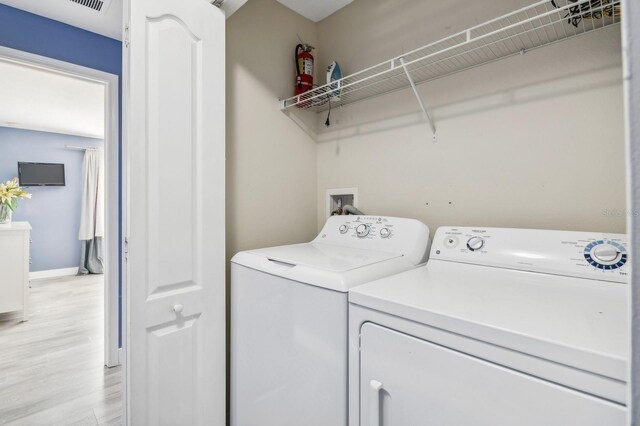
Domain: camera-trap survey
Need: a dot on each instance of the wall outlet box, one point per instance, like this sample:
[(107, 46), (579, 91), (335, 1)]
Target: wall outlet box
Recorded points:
[(340, 197)]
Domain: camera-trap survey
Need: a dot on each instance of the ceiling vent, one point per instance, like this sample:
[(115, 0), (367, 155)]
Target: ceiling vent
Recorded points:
[(97, 5)]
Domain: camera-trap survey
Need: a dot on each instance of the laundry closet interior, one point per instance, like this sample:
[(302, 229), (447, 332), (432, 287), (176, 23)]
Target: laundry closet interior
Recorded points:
[(520, 140), (500, 125)]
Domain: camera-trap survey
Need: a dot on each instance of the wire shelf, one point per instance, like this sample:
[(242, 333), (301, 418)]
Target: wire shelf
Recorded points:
[(531, 27)]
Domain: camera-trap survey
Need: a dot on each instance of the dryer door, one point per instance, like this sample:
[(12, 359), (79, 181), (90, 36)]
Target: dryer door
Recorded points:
[(408, 381)]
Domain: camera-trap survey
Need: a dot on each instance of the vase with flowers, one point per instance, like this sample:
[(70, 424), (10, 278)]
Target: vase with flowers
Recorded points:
[(10, 194)]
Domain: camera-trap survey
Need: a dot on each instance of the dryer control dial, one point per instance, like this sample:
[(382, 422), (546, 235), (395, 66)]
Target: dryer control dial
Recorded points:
[(362, 230), (475, 243), (385, 232), (343, 229), (605, 255)]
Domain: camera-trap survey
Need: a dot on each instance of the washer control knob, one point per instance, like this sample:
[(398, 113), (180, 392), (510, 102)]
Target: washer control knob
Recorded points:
[(451, 242), (606, 253), (475, 243), (362, 230), (385, 232), (343, 229)]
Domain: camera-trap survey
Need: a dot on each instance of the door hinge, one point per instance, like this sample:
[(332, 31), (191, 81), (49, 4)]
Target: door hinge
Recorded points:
[(126, 248), (126, 35), (217, 3)]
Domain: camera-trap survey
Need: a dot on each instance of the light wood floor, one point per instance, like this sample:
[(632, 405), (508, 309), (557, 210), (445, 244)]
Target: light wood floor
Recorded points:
[(52, 366)]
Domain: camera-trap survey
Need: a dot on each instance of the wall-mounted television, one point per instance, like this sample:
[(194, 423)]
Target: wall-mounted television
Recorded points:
[(41, 174)]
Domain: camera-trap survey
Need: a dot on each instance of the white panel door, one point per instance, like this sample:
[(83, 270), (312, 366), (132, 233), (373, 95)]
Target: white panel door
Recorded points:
[(405, 381), (175, 102)]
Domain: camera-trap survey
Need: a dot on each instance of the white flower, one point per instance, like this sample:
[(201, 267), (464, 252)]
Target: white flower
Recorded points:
[(10, 193)]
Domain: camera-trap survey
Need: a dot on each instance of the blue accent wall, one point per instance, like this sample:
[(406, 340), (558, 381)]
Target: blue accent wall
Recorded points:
[(32, 33), (54, 211)]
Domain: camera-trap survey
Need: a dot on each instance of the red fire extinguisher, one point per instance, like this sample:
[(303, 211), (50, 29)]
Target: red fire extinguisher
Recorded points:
[(304, 68)]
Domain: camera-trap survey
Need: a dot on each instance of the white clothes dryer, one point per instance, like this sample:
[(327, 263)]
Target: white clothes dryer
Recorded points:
[(501, 327)]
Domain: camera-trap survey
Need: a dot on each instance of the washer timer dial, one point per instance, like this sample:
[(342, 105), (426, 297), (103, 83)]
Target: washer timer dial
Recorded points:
[(362, 230), (475, 243), (605, 255)]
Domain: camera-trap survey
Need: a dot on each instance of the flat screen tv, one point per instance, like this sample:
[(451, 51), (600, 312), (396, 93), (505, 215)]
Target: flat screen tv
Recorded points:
[(41, 174)]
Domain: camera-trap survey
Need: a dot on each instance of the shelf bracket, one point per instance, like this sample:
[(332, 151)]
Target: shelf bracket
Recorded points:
[(305, 127), (419, 98)]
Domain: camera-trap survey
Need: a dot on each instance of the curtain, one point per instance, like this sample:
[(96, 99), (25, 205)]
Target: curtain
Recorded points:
[(92, 214)]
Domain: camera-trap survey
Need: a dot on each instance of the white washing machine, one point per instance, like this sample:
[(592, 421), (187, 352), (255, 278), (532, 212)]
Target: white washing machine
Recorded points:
[(501, 327), (289, 317)]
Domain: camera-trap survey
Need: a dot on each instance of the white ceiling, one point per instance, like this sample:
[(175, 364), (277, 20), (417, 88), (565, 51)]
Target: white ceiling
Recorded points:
[(315, 10), (38, 99), (230, 6), (107, 22)]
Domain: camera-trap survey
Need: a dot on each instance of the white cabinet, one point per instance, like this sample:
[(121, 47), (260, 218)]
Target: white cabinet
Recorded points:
[(14, 267), (409, 381)]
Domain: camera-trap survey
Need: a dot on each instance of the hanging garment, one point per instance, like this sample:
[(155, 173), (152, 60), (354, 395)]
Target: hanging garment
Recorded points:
[(92, 214)]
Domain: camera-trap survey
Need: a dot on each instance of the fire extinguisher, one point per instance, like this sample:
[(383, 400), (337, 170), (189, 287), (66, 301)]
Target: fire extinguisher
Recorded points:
[(304, 68)]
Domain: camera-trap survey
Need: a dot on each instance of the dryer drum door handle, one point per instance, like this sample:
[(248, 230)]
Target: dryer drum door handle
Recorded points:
[(374, 402)]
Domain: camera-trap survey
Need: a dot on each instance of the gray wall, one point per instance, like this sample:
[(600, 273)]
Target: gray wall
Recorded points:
[(54, 212), (533, 141), (271, 162)]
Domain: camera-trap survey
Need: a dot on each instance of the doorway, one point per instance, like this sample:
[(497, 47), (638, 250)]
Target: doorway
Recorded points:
[(56, 291)]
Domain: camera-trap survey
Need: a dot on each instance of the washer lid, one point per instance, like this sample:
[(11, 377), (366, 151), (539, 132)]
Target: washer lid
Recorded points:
[(324, 265), (573, 321), (327, 257)]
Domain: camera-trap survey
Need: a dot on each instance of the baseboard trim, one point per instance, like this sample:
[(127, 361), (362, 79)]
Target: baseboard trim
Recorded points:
[(53, 273), (12, 315)]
